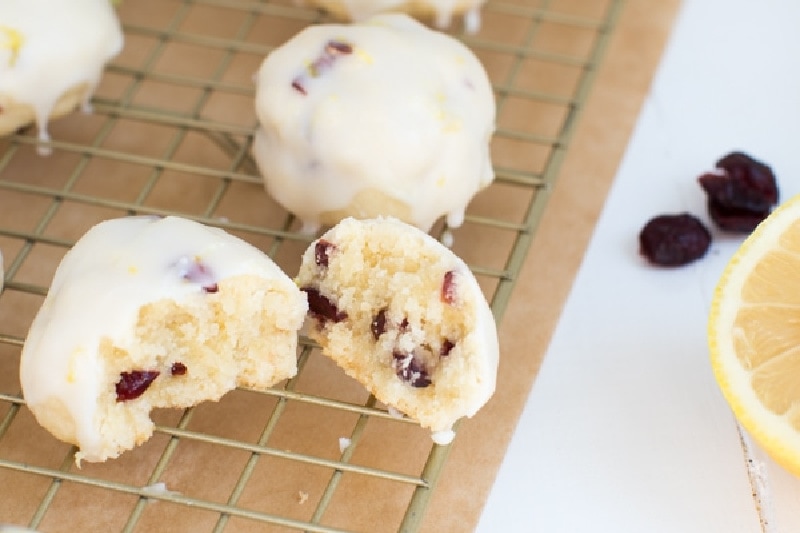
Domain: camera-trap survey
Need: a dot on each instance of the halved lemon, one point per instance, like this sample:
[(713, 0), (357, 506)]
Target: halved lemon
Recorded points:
[(754, 334)]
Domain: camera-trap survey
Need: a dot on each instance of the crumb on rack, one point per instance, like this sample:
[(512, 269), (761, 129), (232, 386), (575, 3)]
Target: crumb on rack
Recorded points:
[(158, 489), (344, 443)]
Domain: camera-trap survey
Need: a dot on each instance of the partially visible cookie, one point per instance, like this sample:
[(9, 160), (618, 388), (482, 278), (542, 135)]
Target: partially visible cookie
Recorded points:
[(52, 55), (403, 315), (442, 11)]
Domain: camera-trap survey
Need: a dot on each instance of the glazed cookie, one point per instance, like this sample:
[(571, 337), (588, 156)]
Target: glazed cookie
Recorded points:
[(386, 117), (403, 315), (442, 11), (146, 312), (52, 54)]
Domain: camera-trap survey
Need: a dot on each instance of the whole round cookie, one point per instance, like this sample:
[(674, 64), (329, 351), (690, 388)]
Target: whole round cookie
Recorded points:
[(385, 117), (52, 54), (146, 312), (442, 11), (403, 315)]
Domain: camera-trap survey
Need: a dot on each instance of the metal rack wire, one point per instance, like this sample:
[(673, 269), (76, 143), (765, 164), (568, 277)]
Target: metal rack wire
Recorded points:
[(171, 134)]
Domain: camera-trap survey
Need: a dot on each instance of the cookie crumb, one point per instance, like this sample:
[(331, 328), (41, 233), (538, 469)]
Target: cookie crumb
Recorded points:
[(344, 443)]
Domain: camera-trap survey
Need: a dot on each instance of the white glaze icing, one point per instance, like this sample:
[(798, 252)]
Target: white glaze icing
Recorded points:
[(443, 10), (48, 47), (112, 271), (409, 112), (442, 438)]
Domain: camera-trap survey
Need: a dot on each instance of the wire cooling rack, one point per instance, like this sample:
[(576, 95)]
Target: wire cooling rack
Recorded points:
[(171, 133)]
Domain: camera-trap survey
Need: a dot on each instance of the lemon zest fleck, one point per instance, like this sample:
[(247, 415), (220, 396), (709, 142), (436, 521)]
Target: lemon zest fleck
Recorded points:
[(363, 56), (12, 40)]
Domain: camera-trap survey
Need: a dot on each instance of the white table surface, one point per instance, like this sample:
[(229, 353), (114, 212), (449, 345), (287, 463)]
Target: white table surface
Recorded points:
[(625, 429)]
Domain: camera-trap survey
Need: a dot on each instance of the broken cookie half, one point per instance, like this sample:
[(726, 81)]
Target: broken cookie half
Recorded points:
[(404, 316), (147, 312)]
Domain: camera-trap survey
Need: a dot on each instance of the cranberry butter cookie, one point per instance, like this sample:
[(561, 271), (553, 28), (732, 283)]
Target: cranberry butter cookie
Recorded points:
[(385, 117), (403, 315), (148, 312)]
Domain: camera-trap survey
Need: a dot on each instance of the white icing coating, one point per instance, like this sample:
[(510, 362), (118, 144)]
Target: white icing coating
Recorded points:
[(407, 112), (443, 438), (443, 10), (112, 271), (47, 48)]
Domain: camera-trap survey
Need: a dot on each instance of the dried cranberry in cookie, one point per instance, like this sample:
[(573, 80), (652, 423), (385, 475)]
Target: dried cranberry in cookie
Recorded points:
[(385, 117), (402, 314), (148, 312), (133, 384)]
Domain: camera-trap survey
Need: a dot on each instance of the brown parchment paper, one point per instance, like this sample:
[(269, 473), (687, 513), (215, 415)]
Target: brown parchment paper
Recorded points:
[(51, 199), (554, 257)]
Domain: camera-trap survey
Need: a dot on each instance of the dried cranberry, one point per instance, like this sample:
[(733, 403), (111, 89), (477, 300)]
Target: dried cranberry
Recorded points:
[(297, 85), (674, 240), (741, 194), (178, 369), (447, 346), (449, 287), (338, 48), (195, 271), (322, 251), (322, 63), (321, 307), (735, 220), (411, 370), (132, 384), (326, 59), (378, 325)]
